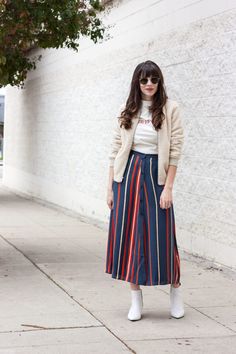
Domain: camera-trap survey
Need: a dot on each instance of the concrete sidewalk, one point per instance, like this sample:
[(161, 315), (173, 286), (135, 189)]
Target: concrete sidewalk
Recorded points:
[(56, 298)]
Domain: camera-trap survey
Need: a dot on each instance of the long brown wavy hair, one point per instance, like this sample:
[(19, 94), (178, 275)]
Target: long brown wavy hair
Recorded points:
[(133, 102)]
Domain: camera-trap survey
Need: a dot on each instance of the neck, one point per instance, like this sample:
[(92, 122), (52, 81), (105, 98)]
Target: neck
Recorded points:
[(146, 98)]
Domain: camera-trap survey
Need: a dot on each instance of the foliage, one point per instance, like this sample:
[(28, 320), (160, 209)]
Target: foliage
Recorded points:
[(27, 24)]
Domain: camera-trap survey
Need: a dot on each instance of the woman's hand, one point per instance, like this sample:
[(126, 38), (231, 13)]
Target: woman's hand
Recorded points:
[(110, 196), (166, 198)]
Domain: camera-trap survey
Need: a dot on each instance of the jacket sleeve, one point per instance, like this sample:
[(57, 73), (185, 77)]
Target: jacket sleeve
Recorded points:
[(115, 142), (177, 136)]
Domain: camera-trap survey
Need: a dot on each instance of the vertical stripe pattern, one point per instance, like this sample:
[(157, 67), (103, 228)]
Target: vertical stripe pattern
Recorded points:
[(141, 244)]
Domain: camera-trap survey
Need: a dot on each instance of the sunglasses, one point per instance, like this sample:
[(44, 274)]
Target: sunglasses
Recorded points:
[(154, 80)]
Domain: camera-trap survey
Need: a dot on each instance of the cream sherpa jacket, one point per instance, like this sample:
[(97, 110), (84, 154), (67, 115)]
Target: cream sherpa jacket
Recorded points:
[(170, 142)]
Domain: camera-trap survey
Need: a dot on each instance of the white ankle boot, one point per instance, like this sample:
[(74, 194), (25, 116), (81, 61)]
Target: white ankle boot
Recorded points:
[(135, 311), (176, 302)]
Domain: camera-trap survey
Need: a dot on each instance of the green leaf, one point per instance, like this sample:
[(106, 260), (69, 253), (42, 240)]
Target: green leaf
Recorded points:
[(40, 23)]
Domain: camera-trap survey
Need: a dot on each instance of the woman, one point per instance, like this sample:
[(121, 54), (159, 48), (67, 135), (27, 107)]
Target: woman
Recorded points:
[(145, 149)]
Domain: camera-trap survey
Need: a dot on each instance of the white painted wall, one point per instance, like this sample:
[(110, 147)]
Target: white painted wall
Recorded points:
[(58, 128)]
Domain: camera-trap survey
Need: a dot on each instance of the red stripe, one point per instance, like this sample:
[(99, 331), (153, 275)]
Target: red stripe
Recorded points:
[(139, 261), (136, 236), (134, 257), (117, 212), (145, 249), (167, 244), (132, 184), (178, 265), (109, 241), (112, 240), (176, 258), (136, 205), (136, 233), (175, 271), (110, 254), (149, 234)]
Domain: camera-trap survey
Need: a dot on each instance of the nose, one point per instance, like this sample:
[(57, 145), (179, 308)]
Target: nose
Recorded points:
[(149, 80)]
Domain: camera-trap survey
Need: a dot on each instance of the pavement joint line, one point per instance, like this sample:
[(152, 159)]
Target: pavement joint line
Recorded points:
[(200, 307), (178, 338), (66, 292), (41, 328), (213, 319)]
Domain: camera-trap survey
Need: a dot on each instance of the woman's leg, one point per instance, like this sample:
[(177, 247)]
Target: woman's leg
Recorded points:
[(134, 286), (176, 285)]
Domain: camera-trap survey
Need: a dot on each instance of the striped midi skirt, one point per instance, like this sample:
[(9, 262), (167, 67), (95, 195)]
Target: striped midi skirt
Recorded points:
[(141, 245)]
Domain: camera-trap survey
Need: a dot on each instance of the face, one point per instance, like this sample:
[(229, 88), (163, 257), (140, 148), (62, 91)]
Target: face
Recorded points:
[(148, 88)]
